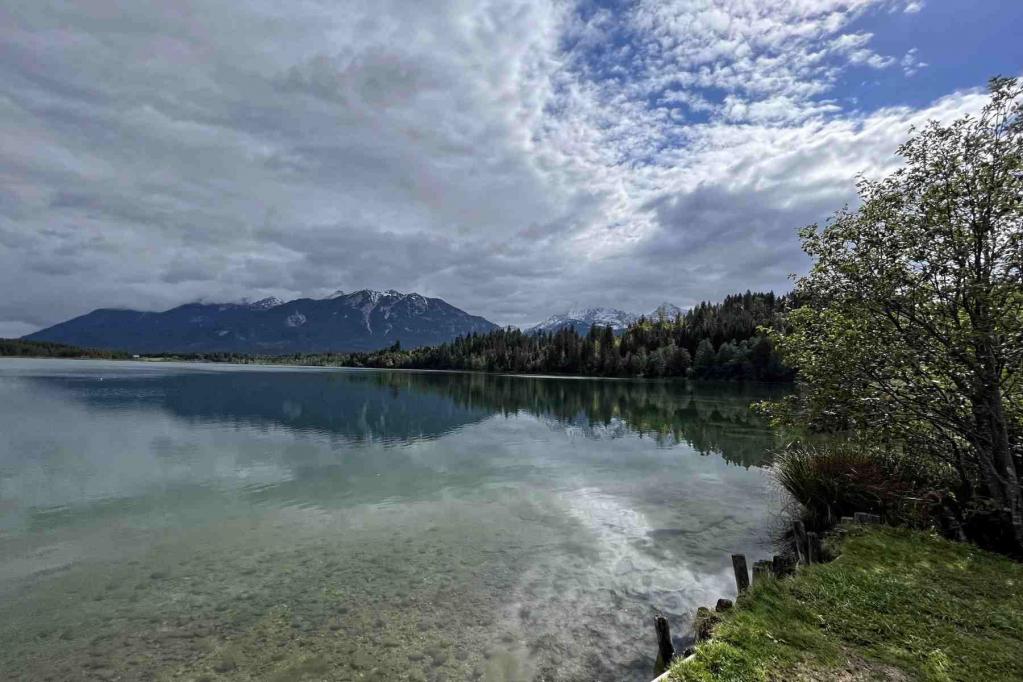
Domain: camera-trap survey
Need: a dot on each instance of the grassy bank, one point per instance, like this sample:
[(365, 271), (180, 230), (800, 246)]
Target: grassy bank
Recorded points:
[(895, 605)]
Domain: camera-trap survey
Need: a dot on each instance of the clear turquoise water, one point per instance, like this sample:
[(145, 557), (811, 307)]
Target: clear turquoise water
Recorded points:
[(175, 521)]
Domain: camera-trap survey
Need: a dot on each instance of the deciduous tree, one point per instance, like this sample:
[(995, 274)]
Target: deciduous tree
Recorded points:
[(911, 324)]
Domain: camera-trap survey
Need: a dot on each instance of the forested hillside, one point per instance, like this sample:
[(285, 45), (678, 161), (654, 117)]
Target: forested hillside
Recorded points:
[(711, 341), (45, 349)]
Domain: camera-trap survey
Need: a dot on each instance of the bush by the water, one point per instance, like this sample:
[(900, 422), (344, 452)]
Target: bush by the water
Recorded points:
[(837, 481)]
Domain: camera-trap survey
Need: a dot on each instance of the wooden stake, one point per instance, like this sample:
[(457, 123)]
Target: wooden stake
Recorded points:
[(741, 572), (863, 517), (780, 566), (799, 541), (703, 624), (813, 548), (761, 570), (665, 649)]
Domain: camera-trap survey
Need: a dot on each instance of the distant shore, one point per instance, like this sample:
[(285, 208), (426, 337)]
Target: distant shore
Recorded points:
[(18, 348)]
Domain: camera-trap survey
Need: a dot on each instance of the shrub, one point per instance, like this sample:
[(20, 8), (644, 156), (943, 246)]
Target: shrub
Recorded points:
[(836, 481)]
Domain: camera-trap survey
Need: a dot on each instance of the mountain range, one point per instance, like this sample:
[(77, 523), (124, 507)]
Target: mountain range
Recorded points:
[(360, 321), (582, 319)]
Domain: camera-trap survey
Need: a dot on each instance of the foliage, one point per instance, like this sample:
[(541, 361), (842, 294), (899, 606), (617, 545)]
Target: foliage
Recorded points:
[(840, 480), (46, 349), (896, 603), (910, 329), (665, 411)]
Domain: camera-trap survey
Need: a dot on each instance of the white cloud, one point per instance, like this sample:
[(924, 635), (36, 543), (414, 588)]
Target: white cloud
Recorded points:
[(508, 156), (911, 63)]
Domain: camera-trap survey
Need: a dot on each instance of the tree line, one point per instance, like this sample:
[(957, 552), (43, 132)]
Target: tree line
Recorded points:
[(726, 341), (46, 349), (669, 412), (721, 341)]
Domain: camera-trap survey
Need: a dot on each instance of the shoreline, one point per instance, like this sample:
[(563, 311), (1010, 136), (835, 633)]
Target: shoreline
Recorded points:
[(525, 375), (894, 603)]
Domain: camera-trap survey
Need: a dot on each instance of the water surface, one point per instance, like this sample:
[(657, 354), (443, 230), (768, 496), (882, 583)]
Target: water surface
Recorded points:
[(175, 521)]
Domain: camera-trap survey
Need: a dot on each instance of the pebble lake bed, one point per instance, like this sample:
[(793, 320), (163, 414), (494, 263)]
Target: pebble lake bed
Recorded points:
[(197, 522)]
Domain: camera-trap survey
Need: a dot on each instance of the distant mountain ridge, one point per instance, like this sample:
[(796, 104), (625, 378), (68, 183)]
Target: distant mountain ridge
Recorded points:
[(582, 319), (359, 321), (668, 311)]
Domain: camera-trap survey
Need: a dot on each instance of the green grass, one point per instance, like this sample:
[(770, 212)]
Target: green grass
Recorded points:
[(895, 604)]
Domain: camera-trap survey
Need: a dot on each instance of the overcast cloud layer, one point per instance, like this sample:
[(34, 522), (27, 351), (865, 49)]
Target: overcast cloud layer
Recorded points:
[(514, 158)]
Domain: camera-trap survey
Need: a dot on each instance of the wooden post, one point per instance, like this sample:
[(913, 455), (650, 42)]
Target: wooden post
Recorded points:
[(799, 541), (780, 566), (813, 548), (703, 624), (741, 572), (665, 649), (761, 570)]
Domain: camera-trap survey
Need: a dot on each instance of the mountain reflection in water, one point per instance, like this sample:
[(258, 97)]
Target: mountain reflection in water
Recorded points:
[(401, 407), (170, 520)]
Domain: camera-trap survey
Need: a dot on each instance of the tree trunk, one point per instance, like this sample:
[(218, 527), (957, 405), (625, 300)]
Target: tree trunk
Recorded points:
[(994, 452)]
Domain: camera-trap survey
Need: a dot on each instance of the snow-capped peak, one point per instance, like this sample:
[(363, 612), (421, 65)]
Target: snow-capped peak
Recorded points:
[(668, 311), (267, 303), (366, 296), (373, 295), (583, 318)]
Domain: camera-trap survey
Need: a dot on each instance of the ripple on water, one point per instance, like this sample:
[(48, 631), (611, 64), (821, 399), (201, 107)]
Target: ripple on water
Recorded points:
[(234, 527), (382, 595)]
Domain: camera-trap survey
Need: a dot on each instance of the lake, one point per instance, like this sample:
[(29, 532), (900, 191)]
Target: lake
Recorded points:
[(185, 521)]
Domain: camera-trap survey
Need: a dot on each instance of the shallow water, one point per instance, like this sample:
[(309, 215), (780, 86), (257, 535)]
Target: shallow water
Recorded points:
[(174, 521)]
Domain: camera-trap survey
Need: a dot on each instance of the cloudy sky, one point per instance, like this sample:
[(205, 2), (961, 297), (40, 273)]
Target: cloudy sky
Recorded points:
[(513, 157)]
